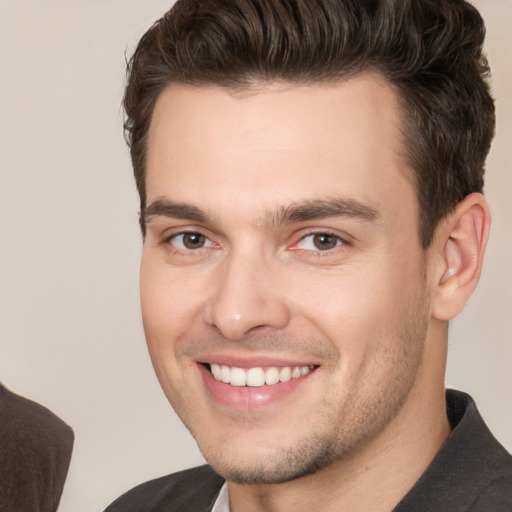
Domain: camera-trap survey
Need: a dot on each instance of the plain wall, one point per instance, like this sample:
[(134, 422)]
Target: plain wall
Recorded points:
[(70, 330)]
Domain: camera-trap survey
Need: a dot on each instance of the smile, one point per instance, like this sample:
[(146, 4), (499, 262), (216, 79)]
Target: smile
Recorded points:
[(258, 376)]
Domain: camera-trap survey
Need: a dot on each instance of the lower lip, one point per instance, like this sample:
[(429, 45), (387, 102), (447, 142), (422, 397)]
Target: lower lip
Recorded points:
[(247, 397)]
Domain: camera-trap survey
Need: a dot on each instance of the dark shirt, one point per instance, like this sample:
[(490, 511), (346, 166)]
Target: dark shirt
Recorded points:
[(35, 451), (471, 473)]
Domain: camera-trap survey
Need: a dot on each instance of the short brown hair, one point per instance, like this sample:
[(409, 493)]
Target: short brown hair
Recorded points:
[(430, 50)]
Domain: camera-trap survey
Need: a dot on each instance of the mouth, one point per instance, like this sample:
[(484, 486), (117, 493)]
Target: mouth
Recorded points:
[(257, 376)]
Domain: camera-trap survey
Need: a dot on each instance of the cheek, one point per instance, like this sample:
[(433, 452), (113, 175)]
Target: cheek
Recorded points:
[(170, 301), (341, 300), (358, 308), (167, 313)]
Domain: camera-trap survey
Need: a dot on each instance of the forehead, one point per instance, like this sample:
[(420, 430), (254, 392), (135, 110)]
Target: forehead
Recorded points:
[(276, 143)]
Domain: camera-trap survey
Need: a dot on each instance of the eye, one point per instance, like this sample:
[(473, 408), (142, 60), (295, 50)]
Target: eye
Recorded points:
[(319, 242), (190, 241)]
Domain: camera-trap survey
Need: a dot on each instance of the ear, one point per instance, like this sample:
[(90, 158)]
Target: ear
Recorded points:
[(459, 246)]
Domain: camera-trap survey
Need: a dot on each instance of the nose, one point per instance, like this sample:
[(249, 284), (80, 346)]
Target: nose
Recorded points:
[(247, 298)]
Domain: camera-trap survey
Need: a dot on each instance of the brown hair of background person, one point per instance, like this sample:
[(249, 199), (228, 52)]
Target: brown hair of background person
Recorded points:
[(430, 51), (35, 452)]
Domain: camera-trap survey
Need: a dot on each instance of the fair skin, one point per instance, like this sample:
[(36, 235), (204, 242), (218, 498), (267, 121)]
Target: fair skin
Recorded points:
[(282, 236)]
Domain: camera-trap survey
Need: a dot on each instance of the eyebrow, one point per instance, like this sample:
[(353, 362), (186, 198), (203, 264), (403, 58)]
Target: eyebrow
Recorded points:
[(166, 208), (322, 209), (294, 213)]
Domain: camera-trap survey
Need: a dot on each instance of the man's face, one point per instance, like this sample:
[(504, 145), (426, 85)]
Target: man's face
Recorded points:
[(282, 250)]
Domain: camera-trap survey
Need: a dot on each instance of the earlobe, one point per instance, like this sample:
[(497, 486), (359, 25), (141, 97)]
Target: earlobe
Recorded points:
[(460, 245)]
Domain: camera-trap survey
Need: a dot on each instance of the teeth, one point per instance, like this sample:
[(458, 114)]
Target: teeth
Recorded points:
[(216, 370), (272, 376), (238, 377), (285, 374), (257, 377), (225, 374)]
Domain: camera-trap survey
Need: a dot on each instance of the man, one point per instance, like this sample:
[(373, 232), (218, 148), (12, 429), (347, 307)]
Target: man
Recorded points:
[(310, 175)]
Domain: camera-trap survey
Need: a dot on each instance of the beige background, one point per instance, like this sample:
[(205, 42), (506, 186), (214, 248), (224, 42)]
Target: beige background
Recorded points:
[(70, 332)]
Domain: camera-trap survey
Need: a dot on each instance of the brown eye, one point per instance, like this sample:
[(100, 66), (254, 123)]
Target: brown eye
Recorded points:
[(193, 240), (324, 241), (320, 242), (190, 241)]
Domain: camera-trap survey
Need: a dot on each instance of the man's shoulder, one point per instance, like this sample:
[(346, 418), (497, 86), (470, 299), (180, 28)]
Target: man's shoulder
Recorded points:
[(497, 494), (471, 472), (190, 490)]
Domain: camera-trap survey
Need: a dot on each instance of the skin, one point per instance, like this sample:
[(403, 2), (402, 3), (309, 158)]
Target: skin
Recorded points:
[(254, 177)]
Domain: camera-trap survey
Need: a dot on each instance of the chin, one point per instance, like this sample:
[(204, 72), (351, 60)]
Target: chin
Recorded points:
[(278, 465)]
